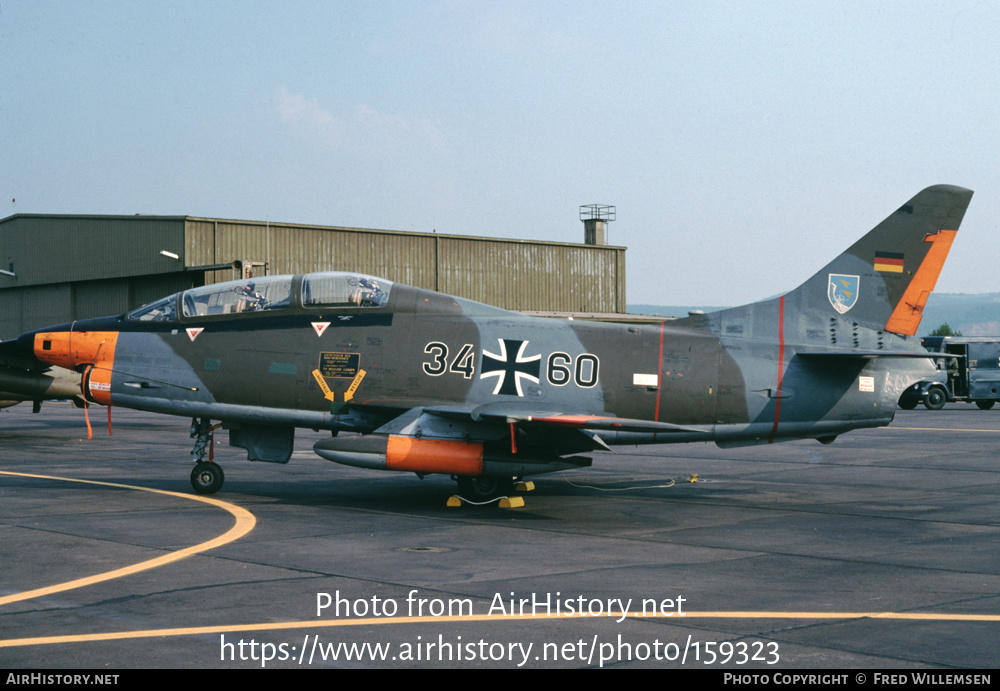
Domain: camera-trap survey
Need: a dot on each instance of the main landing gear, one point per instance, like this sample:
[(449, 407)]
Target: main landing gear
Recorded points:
[(485, 487), (207, 476)]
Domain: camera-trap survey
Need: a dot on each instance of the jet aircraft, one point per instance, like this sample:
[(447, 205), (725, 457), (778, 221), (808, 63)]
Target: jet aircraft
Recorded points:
[(430, 383)]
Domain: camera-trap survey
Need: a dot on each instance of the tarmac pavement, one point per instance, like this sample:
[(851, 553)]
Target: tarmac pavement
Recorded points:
[(879, 551)]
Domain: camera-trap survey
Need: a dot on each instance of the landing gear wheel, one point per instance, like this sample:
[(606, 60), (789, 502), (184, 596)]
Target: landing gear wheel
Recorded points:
[(907, 403), (985, 405), (207, 478), (935, 399), (485, 487)]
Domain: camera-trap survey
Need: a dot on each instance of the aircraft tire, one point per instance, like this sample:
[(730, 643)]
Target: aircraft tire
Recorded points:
[(907, 404), (985, 405), (484, 487), (207, 478), (935, 399)]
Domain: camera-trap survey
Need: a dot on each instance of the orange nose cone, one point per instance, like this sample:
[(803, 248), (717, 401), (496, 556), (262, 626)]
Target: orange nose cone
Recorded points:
[(71, 349)]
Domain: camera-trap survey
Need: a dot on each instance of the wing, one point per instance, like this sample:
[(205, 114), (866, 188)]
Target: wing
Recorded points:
[(517, 413), (511, 439)]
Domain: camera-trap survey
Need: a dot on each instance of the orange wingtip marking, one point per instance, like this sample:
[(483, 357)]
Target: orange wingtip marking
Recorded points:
[(905, 319), (434, 456)]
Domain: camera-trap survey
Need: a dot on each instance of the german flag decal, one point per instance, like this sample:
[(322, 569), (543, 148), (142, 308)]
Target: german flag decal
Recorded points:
[(889, 261)]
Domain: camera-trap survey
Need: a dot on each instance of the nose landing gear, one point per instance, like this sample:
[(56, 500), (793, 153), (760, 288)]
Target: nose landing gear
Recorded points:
[(207, 476)]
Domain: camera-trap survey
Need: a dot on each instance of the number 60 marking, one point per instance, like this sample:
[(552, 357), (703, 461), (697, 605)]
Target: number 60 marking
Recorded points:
[(585, 370)]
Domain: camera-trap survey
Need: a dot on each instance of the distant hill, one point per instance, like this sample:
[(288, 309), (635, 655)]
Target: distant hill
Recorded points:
[(972, 314)]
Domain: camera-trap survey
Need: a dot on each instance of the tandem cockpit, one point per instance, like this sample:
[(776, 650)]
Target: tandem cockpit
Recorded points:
[(325, 289)]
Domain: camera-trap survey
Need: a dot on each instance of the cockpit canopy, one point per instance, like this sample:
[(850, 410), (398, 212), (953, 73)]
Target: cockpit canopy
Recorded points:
[(324, 289), (233, 297), (330, 289)]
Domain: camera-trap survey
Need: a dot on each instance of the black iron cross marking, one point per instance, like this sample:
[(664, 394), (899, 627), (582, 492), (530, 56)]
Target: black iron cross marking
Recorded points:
[(508, 363)]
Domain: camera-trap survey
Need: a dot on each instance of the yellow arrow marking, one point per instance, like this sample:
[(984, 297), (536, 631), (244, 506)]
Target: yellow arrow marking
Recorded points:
[(327, 394), (354, 385)]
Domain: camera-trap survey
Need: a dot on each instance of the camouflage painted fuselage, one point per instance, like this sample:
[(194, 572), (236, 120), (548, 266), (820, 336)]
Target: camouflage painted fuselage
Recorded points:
[(419, 368)]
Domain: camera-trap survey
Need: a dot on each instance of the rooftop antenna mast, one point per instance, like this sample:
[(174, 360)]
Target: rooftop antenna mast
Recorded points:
[(595, 219)]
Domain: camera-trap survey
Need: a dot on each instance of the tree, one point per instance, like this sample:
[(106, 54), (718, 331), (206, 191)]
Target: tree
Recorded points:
[(945, 330)]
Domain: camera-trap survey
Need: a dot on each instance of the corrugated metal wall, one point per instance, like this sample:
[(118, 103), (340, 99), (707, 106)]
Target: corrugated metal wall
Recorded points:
[(76, 267), (60, 249), (524, 275), (514, 274), (36, 304), (34, 307), (406, 258)]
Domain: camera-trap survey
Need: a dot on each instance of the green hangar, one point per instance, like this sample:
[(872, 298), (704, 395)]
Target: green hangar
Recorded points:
[(59, 268)]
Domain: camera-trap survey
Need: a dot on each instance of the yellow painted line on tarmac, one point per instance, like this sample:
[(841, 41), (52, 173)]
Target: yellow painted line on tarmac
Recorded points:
[(245, 522), (382, 621)]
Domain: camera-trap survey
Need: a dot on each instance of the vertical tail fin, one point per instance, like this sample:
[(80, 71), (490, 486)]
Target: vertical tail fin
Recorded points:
[(884, 279)]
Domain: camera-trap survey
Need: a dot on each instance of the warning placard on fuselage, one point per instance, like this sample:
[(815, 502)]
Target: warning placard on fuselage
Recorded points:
[(343, 365)]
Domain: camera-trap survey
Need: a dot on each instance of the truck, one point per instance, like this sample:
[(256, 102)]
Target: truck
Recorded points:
[(972, 377)]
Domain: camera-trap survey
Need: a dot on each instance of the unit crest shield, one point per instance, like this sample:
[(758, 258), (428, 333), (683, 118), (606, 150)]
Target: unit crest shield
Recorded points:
[(842, 290)]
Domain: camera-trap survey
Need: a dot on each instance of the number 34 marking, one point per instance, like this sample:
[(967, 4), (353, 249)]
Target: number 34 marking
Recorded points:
[(464, 363)]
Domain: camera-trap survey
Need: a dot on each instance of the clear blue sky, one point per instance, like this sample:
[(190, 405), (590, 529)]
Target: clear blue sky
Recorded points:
[(744, 143)]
